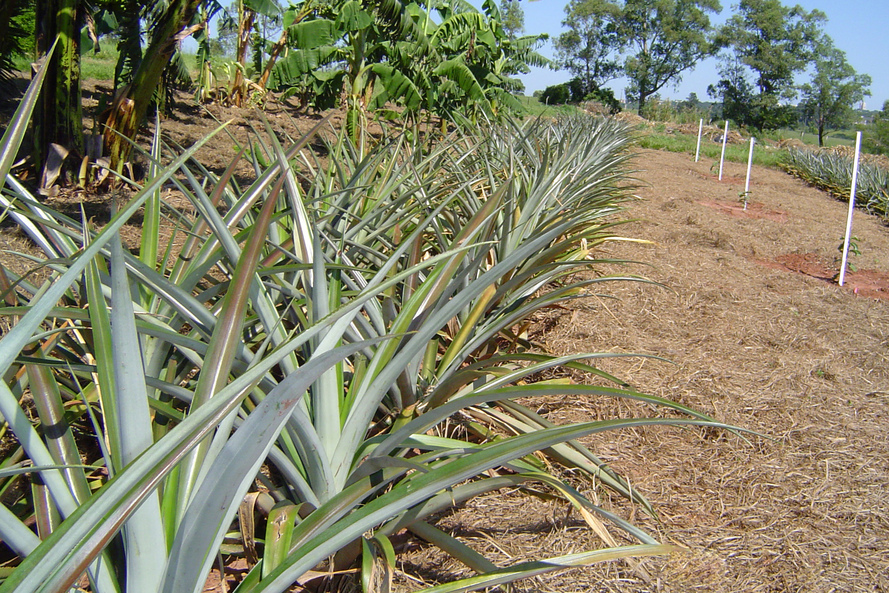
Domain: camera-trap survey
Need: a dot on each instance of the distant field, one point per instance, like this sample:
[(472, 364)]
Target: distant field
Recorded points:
[(764, 155), (836, 138), (100, 66), (535, 107), (677, 142)]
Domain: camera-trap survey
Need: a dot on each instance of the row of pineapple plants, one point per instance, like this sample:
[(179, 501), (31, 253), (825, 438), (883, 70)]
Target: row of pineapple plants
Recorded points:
[(339, 344), (832, 172)]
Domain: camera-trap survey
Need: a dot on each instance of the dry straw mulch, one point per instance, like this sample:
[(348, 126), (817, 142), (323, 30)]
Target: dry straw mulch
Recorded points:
[(789, 355)]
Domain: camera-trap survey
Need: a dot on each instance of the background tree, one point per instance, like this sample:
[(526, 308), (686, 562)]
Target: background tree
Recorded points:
[(225, 43), (876, 134), (774, 43), (690, 102), (829, 99), (665, 38), (58, 116), (129, 15), (651, 42), (589, 48), (369, 53), (736, 93), (252, 16), (512, 18), (17, 19), (557, 94)]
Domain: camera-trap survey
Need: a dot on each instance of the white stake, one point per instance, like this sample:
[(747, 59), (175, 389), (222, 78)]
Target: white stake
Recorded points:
[(749, 164), (722, 156), (698, 149), (851, 208)]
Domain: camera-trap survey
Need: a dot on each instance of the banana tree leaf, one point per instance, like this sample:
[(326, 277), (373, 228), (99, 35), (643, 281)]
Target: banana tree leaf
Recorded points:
[(352, 17), (393, 86), (268, 8), (313, 34)]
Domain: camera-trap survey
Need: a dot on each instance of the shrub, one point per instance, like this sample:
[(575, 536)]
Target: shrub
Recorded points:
[(606, 98), (558, 94), (876, 134)]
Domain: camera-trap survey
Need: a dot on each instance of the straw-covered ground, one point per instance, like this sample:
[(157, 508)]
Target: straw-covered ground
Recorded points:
[(759, 337)]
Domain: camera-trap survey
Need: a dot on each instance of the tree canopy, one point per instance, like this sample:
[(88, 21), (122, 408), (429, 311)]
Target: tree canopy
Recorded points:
[(650, 42), (663, 39), (876, 137), (17, 18), (512, 17), (829, 98), (448, 58), (588, 49), (771, 43)]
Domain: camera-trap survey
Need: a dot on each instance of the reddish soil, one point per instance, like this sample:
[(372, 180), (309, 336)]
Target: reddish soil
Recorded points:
[(866, 283), (749, 210)]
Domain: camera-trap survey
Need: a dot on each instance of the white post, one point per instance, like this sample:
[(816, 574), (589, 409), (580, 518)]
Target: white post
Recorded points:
[(851, 208), (722, 156), (749, 164), (698, 149)]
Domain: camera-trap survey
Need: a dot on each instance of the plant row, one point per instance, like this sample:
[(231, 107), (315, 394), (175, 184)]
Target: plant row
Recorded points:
[(311, 367), (832, 172)]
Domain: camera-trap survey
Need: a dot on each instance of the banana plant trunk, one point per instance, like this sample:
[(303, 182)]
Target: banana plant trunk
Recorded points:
[(59, 118), (245, 27), (273, 57), (131, 102), (278, 47)]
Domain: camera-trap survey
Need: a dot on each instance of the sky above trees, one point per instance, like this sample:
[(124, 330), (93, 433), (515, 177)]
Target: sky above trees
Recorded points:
[(856, 26)]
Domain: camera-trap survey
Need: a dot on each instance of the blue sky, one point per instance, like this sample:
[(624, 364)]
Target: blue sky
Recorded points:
[(858, 27)]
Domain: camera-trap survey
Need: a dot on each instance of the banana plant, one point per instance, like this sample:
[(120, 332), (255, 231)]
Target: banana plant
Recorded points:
[(379, 53)]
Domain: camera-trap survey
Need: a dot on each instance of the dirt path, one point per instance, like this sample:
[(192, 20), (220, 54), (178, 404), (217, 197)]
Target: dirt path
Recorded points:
[(790, 355), (786, 354)]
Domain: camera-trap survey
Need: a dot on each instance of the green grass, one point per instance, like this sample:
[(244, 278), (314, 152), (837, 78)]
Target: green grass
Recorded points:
[(534, 107), (100, 66), (833, 138), (737, 153)]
